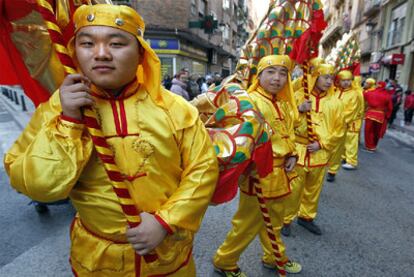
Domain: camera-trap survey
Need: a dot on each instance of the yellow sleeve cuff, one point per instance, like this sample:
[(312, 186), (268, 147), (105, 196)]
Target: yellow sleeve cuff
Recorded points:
[(69, 128)]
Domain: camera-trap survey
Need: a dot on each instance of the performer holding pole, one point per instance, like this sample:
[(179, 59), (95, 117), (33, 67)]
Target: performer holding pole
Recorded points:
[(272, 93), (327, 122), (112, 165)]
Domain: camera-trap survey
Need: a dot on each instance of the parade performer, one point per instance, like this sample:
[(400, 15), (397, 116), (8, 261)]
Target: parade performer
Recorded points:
[(369, 84), (293, 28), (272, 94), (314, 63), (346, 59), (379, 109), (351, 97), (143, 171), (327, 121)]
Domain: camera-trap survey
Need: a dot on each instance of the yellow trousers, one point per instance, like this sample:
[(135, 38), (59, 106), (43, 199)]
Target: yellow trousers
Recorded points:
[(336, 156), (247, 223), (351, 147), (292, 201), (312, 178)]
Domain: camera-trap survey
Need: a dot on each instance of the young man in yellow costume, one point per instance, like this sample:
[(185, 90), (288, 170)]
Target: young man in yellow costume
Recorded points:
[(272, 94), (351, 97), (162, 149), (314, 63), (327, 125)]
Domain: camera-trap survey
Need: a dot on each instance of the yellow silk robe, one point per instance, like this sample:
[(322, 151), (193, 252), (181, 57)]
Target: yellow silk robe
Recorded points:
[(166, 155), (358, 110), (327, 123), (280, 118), (353, 113), (328, 126), (353, 104)]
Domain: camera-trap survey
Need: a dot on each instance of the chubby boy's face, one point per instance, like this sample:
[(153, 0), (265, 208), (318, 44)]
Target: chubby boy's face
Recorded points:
[(273, 79), (109, 57)]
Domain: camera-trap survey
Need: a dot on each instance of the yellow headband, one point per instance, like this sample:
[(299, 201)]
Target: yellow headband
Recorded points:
[(324, 69), (345, 75), (370, 81), (120, 17), (315, 62), (274, 60)]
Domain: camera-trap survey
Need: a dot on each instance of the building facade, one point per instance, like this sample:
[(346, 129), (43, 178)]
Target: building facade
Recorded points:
[(386, 34), (337, 15), (210, 45), (257, 10), (396, 51)]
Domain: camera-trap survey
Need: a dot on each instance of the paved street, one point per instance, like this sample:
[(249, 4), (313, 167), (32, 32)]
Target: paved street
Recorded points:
[(366, 217)]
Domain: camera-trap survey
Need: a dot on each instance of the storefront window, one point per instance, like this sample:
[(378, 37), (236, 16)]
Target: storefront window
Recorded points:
[(199, 68), (166, 66)]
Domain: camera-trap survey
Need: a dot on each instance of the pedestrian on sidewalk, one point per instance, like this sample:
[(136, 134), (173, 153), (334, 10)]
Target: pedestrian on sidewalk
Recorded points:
[(139, 208), (396, 92), (272, 93), (408, 107), (179, 85)]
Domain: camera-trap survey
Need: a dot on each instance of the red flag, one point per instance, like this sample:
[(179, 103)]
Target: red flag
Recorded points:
[(13, 70), (306, 47)]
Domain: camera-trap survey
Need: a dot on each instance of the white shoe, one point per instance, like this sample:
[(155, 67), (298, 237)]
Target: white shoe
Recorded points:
[(348, 166)]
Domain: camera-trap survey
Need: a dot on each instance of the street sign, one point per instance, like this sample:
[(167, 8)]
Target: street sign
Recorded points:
[(207, 23), (374, 68)]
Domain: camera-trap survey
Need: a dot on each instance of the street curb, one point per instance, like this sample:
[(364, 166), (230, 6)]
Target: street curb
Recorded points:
[(404, 130), (54, 249), (20, 117), (402, 137)]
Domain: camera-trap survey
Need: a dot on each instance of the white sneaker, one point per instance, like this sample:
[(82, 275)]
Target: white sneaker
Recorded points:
[(348, 166)]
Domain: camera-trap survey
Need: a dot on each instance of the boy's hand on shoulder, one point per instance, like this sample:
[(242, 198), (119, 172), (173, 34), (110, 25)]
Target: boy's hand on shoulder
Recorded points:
[(147, 235)]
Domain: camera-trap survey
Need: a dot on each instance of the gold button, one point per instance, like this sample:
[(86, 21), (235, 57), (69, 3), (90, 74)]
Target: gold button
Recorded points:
[(90, 17), (119, 22)]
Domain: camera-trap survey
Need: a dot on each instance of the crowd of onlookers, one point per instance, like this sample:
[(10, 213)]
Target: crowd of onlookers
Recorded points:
[(190, 85)]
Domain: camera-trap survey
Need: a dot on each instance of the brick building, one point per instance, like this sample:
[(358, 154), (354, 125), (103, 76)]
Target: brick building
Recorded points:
[(178, 46)]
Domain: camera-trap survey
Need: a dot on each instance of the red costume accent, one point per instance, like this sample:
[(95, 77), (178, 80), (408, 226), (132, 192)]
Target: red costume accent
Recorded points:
[(379, 108)]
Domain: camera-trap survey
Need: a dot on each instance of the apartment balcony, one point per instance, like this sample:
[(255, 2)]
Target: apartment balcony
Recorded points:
[(372, 7), (338, 3), (333, 32), (367, 46)]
